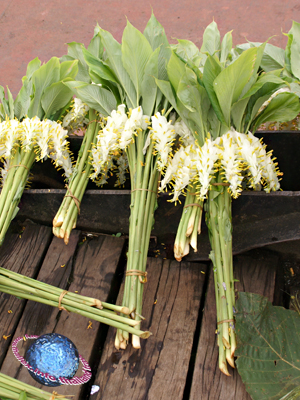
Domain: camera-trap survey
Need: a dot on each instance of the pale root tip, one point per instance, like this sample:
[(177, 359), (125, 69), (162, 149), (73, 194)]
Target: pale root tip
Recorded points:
[(125, 310), (98, 304), (66, 238), (226, 343), (117, 342), (136, 344), (123, 345), (145, 335), (230, 361), (57, 222), (223, 368)]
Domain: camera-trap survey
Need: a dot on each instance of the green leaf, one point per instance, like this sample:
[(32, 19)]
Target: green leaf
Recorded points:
[(194, 97), (175, 68), (149, 88), (75, 52), (287, 53), (230, 83), (211, 39), (98, 67), (22, 101), (166, 89), (4, 102), (55, 97), (136, 51), (68, 69), (282, 108), (270, 77), (42, 78), (226, 47), (32, 66), (295, 49), (237, 113), (268, 347), (10, 103), (96, 46), (114, 52), (187, 50), (156, 36), (96, 97), (210, 72), (273, 58)]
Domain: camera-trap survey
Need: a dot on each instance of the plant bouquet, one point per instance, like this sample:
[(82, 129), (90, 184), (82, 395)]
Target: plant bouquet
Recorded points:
[(135, 132), (220, 106), (29, 131)]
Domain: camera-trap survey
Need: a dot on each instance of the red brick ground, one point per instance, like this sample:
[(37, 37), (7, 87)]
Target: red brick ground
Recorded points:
[(31, 28)]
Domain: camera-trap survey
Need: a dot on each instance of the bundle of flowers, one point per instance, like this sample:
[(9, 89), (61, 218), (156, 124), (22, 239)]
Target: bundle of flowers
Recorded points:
[(29, 131)]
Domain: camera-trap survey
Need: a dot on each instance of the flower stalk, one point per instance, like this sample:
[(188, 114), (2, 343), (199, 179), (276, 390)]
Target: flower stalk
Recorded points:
[(66, 217), (27, 288)]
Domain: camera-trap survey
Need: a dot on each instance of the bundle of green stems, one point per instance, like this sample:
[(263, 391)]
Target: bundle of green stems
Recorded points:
[(13, 187), (144, 178), (31, 289), (66, 217), (13, 389), (219, 222), (190, 224)]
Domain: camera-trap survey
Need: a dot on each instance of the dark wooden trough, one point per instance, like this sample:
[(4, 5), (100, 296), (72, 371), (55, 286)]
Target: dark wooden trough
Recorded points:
[(179, 361)]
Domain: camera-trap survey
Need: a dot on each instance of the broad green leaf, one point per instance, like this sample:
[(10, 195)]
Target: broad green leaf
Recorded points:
[(254, 76), (270, 77), (167, 90), (237, 113), (226, 46), (213, 122), (175, 68), (114, 52), (295, 87), (99, 67), (149, 88), (187, 50), (268, 352), (282, 108), (295, 49), (55, 97), (156, 36), (75, 52), (97, 98), (10, 103), (273, 58), (22, 101), (194, 97), (32, 66), (211, 70), (68, 69), (136, 51), (4, 102), (287, 53), (96, 47), (42, 78), (231, 82), (211, 39)]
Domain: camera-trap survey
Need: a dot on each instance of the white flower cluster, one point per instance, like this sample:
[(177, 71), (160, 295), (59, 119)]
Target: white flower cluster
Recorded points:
[(239, 156), (76, 118), (47, 138), (119, 132)]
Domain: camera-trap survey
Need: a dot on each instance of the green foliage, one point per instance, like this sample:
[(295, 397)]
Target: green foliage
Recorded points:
[(268, 348), (43, 93)]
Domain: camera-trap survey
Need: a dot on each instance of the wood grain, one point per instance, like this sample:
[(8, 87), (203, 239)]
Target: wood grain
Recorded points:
[(158, 370), (256, 273), (22, 254)]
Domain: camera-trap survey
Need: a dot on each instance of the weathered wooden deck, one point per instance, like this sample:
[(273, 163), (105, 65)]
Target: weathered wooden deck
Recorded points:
[(178, 362)]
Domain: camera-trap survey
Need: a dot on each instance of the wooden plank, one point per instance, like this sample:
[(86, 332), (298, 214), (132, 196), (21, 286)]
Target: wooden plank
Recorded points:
[(158, 370), (91, 273), (256, 272), (39, 318), (23, 254)]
